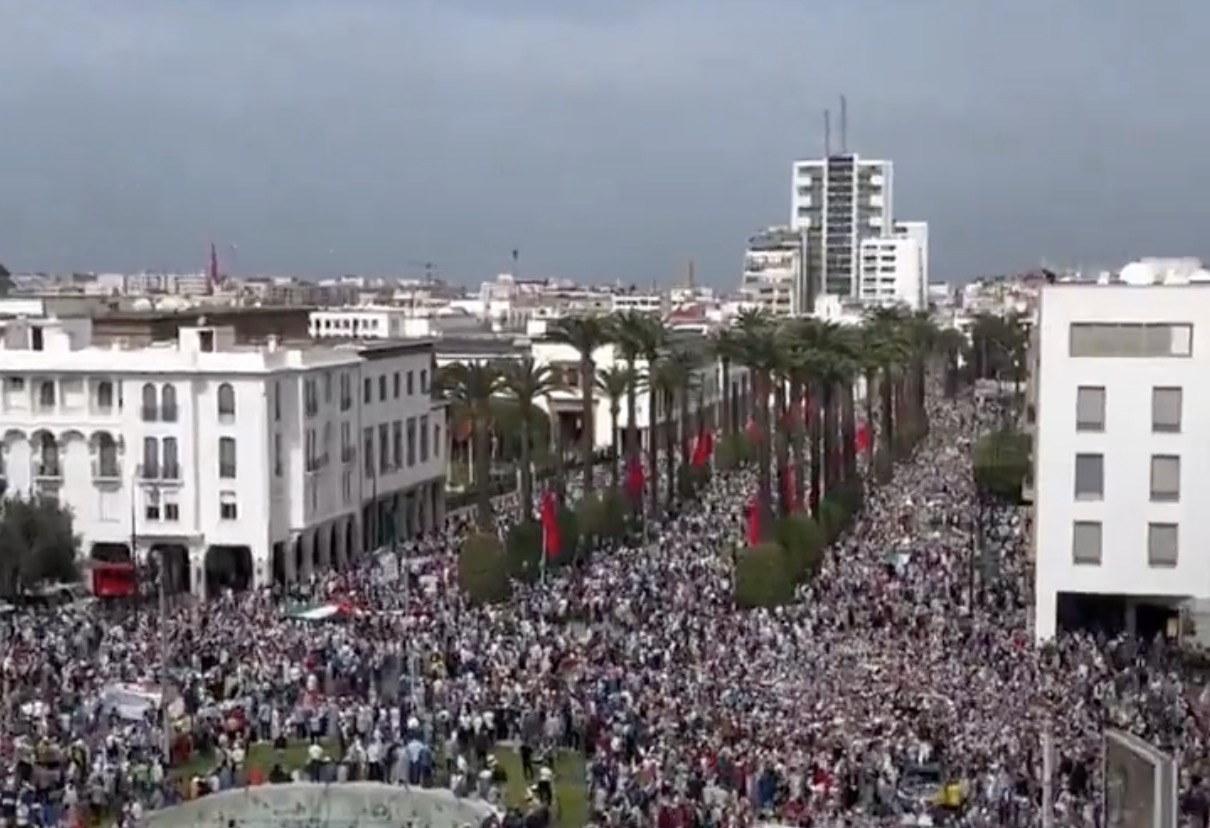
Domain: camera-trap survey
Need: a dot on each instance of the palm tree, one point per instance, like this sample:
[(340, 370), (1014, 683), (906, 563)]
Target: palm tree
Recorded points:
[(527, 382), (614, 384), (757, 350), (640, 336), (471, 388), (586, 334), (723, 348), (681, 371), (885, 350)]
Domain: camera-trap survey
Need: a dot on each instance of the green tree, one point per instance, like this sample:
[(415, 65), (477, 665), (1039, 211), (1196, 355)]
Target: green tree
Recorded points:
[(586, 334), (641, 336), (470, 388), (36, 544), (483, 571), (1002, 462), (757, 349), (997, 346), (523, 549), (527, 382), (723, 348), (802, 540), (616, 383), (761, 579)]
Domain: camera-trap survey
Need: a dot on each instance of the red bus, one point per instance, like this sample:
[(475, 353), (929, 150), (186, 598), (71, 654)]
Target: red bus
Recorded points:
[(114, 580)]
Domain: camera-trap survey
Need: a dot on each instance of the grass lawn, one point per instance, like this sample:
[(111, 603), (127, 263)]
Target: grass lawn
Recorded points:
[(571, 789), (261, 756)]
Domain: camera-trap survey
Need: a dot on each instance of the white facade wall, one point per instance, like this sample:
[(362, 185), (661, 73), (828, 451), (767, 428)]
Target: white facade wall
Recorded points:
[(1127, 442), (359, 323), (891, 272), (919, 231), (141, 442)]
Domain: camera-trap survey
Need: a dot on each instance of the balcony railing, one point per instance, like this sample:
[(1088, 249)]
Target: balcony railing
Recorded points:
[(106, 470), (47, 470)]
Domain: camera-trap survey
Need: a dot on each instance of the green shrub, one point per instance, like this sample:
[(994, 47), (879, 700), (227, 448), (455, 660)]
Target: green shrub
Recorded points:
[(832, 517), (690, 480), (761, 579), (523, 550), (483, 570), (1002, 462), (569, 538), (733, 451), (802, 543)]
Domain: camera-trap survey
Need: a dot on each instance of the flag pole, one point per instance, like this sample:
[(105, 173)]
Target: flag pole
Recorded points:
[(542, 558)]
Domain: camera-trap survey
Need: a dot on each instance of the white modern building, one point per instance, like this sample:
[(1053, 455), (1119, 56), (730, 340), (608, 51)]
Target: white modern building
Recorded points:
[(838, 201), (891, 272), (919, 232), (775, 272), (1121, 399), (237, 464)]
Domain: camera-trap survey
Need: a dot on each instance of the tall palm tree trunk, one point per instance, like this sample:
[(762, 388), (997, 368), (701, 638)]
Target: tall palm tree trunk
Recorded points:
[(815, 426), (830, 477), (588, 432), (686, 434), (871, 431), (848, 430), (764, 451), (615, 412), (725, 417), (798, 443), (781, 411), (653, 452), (669, 431), (483, 495), (527, 472)]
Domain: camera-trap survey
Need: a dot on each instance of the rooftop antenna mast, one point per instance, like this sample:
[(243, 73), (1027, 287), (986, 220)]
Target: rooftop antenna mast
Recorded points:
[(844, 126), (827, 134)]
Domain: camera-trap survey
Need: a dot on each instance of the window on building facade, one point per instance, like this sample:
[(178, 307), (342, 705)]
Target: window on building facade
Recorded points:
[(1086, 543), (46, 395), (411, 441), (168, 411), (226, 403), (424, 438), (1166, 404), (397, 444), (226, 458), (228, 508), (104, 398), (1090, 408), (382, 388), (396, 386), (1128, 339), (170, 464), (367, 391), (151, 459), (411, 383), (1090, 477), (384, 449), (151, 404), (368, 451), (1165, 478), (1163, 544)]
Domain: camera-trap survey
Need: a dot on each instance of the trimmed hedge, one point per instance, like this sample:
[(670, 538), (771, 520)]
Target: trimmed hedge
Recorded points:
[(483, 570), (733, 451), (761, 579), (523, 550), (1002, 461), (802, 543)]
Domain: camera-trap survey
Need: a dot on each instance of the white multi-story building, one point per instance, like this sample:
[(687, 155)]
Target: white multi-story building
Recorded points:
[(838, 201), (359, 322), (237, 464), (1121, 407), (891, 272), (919, 231), (775, 272)]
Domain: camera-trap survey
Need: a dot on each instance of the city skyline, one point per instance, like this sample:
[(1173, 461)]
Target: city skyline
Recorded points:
[(603, 144)]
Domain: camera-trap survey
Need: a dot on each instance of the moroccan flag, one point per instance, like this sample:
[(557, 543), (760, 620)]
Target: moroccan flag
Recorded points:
[(754, 521), (634, 478), (550, 524), (862, 439), (703, 448)]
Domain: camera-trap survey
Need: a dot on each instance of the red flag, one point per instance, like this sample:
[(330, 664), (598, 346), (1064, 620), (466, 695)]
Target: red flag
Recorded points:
[(703, 448), (550, 524), (753, 430), (753, 522), (862, 440), (634, 478)]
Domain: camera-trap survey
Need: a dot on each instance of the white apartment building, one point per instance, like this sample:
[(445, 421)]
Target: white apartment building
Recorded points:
[(775, 272), (919, 231), (891, 272), (236, 464), (1121, 392), (359, 322), (838, 201)]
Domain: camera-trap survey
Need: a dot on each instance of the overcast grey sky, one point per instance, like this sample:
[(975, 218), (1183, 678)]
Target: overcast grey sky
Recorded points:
[(604, 140)]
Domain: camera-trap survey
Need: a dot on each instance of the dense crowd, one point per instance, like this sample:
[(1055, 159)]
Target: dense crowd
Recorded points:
[(903, 687)]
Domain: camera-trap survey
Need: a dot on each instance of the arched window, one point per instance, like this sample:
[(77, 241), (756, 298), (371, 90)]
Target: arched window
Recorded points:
[(151, 458), (168, 403), (170, 456), (46, 395), (107, 456), (226, 402), (150, 404), (104, 395)]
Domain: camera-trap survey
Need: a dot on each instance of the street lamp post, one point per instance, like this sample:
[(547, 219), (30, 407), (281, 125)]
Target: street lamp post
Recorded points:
[(149, 484)]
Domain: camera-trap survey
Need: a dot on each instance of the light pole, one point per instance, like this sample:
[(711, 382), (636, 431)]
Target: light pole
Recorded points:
[(149, 484)]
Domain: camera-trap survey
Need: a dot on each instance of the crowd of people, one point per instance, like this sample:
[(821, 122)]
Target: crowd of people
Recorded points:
[(900, 688)]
